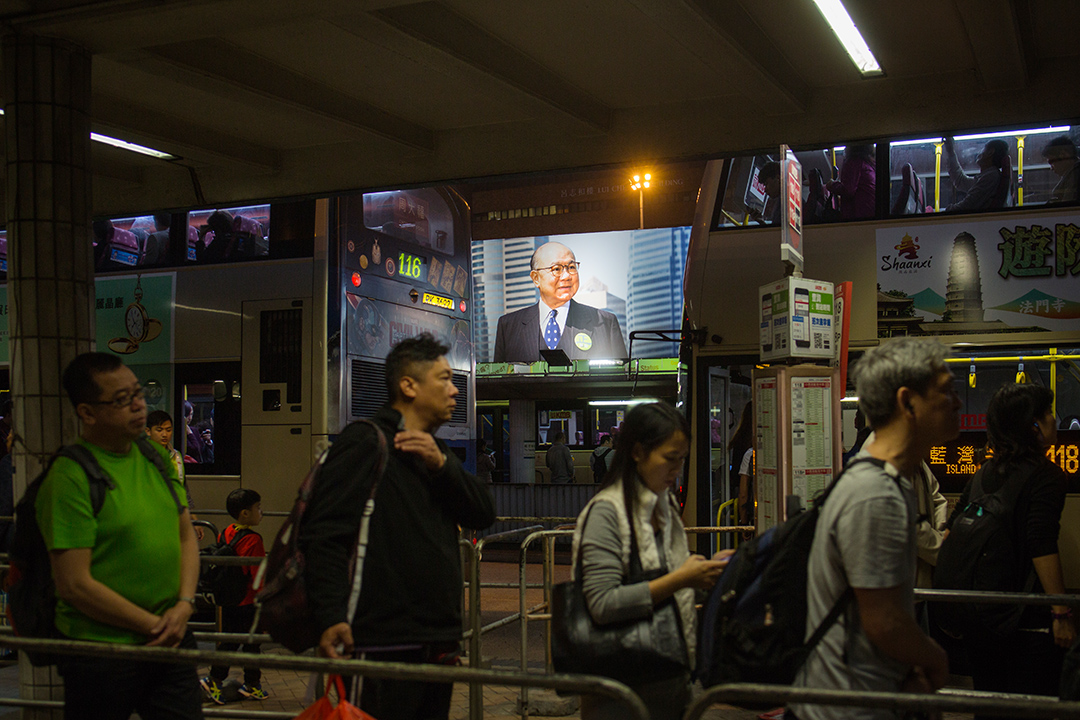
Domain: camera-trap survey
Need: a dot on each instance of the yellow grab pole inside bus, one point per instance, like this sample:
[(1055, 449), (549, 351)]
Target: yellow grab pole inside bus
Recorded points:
[(1053, 382), (1020, 169), (937, 176)]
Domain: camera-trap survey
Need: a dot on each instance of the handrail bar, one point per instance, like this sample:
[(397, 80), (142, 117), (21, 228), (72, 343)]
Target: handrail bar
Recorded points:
[(476, 632), (590, 684), (987, 596), (781, 695)]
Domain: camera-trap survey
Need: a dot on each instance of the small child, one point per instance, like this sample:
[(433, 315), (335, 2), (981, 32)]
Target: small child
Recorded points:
[(159, 427), (245, 506)]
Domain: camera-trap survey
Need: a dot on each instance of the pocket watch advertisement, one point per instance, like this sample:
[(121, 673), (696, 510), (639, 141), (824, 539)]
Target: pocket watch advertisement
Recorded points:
[(134, 316)]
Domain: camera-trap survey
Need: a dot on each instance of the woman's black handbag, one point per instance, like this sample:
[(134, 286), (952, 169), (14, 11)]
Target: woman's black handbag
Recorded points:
[(634, 651)]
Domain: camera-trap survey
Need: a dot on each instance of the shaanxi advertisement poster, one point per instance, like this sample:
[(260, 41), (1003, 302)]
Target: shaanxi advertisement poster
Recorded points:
[(985, 276)]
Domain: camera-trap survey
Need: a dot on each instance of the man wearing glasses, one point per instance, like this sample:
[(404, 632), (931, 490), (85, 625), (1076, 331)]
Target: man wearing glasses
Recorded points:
[(126, 574), (557, 321)]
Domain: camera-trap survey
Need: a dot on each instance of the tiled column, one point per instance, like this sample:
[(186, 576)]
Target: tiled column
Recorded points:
[(46, 92)]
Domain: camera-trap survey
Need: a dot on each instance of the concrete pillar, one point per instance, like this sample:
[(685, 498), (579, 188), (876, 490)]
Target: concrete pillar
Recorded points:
[(522, 441), (46, 91)]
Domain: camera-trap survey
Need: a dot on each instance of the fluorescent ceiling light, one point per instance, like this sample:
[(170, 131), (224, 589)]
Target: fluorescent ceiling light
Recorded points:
[(125, 145), (629, 401), (837, 16), (1012, 133), (920, 141), (987, 136)]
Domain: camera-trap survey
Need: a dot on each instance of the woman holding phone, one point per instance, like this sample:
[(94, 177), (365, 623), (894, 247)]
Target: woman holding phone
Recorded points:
[(634, 519)]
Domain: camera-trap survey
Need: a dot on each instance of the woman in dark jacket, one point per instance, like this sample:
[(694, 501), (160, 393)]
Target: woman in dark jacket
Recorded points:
[(1020, 426)]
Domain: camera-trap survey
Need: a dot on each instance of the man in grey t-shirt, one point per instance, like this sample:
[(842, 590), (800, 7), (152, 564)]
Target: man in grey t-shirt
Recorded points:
[(866, 536)]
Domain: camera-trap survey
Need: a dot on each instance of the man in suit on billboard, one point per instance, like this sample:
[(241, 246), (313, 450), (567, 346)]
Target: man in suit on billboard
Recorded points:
[(557, 321)]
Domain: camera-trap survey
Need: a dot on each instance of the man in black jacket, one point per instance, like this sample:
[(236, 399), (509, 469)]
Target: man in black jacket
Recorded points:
[(410, 605)]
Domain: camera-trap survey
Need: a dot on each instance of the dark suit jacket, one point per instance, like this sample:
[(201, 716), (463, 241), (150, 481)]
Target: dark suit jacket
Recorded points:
[(518, 337)]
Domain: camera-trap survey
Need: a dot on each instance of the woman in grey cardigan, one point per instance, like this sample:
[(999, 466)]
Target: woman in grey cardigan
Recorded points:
[(649, 455)]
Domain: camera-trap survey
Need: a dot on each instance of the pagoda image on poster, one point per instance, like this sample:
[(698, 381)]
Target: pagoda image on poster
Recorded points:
[(979, 277)]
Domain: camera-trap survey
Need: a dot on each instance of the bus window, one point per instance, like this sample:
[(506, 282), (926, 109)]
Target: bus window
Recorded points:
[(207, 422), (552, 422)]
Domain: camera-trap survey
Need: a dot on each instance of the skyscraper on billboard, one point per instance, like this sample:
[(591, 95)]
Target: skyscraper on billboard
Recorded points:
[(654, 289)]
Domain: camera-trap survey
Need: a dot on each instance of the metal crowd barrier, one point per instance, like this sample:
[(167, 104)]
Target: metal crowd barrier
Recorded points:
[(476, 691), (526, 614), (591, 684), (985, 596), (777, 695)]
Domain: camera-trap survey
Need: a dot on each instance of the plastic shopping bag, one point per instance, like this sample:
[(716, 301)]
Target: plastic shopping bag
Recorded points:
[(324, 708)]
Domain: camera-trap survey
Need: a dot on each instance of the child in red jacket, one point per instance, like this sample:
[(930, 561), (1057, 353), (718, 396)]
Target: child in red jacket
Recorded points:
[(245, 506)]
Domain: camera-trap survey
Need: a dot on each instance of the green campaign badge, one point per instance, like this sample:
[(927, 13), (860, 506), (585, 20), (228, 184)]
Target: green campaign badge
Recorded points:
[(583, 341)]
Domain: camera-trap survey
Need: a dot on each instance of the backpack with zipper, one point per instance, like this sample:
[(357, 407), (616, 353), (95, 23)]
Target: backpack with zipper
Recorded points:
[(31, 607), (981, 553), (753, 627), (227, 584), (281, 602)]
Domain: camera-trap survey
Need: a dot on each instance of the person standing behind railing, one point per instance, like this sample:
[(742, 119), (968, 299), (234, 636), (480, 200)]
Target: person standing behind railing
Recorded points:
[(635, 510), (1020, 425), (127, 574), (409, 608), (864, 549)]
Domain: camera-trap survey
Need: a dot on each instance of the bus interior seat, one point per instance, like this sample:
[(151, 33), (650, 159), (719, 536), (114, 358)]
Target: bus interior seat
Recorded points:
[(911, 200)]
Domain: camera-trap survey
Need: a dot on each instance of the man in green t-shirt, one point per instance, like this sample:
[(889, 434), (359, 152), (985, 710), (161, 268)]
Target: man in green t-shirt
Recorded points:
[(127, 574)]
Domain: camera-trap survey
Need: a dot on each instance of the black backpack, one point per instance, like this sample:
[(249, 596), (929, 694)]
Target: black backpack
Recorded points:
[(31, 607), (228, 584), (754, 622), (599, 468), (282, 608), (981, 553)]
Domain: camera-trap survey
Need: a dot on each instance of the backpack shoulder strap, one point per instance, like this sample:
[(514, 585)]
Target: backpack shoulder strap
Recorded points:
[(848, 595), (880, 464), (383, 453), (97, 479), (365, 520), (239, 535), (151, 454)]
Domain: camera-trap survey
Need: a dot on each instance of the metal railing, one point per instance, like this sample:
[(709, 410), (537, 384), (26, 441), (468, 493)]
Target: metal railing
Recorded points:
[(591, 684), (476, 692), (777, 695), (535, 613)]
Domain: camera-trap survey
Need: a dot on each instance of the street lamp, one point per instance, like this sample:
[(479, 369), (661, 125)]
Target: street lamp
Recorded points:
[(640, 182)]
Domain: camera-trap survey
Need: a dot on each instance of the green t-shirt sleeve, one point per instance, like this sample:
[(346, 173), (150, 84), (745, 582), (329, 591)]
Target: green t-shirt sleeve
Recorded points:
[(63, 508)]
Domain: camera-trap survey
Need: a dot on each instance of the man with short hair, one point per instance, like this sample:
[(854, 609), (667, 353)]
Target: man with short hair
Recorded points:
[(126, 574), (410, 604), (1061, 154), (599, 460), (560, 461), (866, 536), (557, 321)]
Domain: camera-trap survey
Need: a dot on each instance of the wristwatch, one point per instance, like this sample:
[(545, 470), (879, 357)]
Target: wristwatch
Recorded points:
[(187, 600)]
